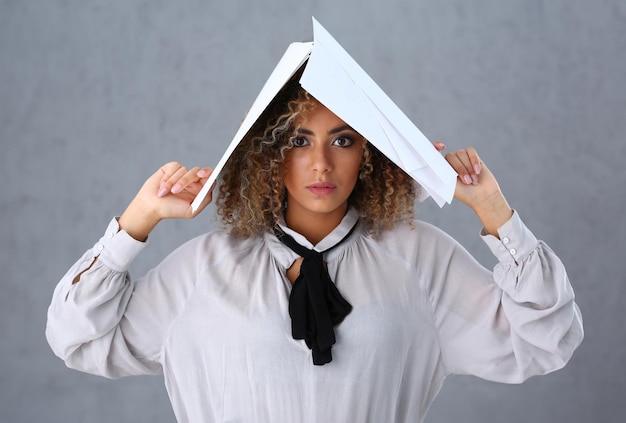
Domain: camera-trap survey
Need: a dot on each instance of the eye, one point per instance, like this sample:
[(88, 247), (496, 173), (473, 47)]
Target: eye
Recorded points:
[(343, 141), (300, 142)]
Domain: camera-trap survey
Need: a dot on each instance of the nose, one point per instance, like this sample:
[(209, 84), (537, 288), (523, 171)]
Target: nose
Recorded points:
[(320, 159)]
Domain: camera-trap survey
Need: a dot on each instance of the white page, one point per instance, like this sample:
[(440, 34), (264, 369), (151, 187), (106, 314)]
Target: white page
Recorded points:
[(338, 82), (292, 60)]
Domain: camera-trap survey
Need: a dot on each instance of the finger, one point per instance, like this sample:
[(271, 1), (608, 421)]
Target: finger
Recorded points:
[(471, 161), (164, 173), (186, 180), (193, 181), (168, 169), (474, 160), (168, 182), (439, 146), (460, 162), (204, 173)]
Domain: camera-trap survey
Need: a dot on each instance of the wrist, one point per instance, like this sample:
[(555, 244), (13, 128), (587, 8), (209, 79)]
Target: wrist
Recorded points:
[(493, 212), (138, 220)]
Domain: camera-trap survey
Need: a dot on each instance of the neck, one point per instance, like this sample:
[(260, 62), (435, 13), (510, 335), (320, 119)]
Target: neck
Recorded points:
[(314, 226)]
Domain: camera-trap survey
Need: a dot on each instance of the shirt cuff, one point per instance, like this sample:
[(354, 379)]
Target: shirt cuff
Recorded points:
[(117, 249), (516, 240)]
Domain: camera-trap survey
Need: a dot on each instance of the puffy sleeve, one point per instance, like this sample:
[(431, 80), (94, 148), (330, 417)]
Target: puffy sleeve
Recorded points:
[(102, 322), (507, 325)]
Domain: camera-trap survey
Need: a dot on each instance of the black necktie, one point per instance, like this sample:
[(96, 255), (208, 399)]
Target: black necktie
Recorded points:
[(315, 304)]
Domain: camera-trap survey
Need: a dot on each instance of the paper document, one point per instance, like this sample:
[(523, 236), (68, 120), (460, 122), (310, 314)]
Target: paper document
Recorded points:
[(342, 86)]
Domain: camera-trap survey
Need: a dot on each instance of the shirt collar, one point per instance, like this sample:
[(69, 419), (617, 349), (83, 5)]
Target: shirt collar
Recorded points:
[(286, 257)]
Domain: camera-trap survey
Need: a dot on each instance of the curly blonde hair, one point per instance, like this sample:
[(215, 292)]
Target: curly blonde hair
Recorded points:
[(251, 196)]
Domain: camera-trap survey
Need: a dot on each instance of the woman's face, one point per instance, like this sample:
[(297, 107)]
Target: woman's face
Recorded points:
[(322, 168)]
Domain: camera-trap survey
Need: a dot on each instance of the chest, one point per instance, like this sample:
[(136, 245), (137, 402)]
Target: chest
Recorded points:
[(232, 345), (241, 312)]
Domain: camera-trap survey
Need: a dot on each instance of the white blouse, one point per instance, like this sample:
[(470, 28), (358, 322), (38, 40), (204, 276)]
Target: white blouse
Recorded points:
[(213, 317)]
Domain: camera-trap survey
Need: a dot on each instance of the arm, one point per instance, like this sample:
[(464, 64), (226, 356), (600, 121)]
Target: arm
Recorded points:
[(507, 325), (167, 194), (519, 321), (101, 322)]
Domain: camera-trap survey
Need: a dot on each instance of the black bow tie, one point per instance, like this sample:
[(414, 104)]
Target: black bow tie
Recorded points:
[(315, 304)]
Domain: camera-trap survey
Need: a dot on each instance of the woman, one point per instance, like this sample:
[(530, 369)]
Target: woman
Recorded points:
[(248, 324)]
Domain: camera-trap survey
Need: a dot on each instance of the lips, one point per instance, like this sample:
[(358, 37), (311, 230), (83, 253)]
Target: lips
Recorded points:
[(321, 188)]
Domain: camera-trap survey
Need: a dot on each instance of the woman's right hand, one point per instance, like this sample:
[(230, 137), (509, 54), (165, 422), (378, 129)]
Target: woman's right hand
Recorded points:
[(167, 194)]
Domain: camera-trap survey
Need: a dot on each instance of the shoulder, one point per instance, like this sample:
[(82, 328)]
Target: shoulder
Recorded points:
[(215, 246), (412, 243), (418, 233)]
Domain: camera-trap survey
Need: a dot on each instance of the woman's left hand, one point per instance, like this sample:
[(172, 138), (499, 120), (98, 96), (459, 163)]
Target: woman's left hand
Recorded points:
[(478, 188)]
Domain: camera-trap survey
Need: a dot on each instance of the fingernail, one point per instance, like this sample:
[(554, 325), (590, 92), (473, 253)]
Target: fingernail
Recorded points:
[(467, 179), (202, 173), (477, 168), (474, 180), (176, 189), (162, 192)]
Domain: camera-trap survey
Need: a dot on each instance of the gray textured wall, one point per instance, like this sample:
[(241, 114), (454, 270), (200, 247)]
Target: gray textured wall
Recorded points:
[(95, 94)]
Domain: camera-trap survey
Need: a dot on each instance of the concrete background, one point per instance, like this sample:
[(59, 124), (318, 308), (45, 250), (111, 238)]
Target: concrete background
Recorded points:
[(95, 95)]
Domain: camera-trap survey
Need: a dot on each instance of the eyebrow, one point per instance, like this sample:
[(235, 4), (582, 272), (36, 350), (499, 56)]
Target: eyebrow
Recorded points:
[(305, 131)]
